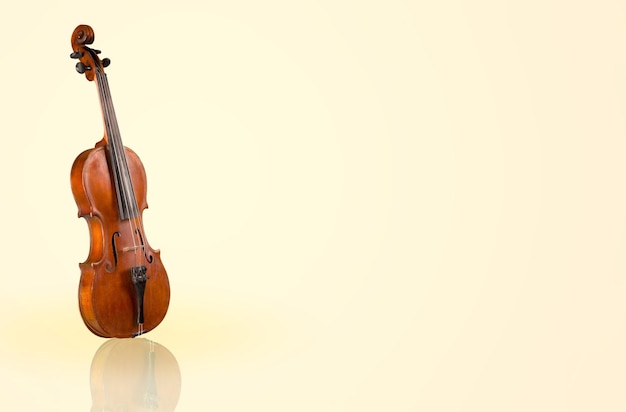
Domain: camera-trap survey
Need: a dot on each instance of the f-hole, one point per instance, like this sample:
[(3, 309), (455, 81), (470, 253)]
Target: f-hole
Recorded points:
[(107, 267)]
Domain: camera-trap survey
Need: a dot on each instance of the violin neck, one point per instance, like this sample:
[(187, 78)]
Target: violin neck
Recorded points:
[(126, 201)]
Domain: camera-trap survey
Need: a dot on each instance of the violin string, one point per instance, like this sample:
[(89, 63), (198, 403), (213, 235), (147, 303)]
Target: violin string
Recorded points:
[(111, 147), (121, 171), (116, 150), (130, 203)]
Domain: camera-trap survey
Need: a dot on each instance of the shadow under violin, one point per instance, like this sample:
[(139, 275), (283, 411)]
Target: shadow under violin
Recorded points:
[(134, 375)]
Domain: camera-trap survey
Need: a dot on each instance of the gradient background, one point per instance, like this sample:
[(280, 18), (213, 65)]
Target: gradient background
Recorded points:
[(362, 206)]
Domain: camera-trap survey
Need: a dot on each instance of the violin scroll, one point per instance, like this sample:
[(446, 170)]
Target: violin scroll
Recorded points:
[(82, 36)]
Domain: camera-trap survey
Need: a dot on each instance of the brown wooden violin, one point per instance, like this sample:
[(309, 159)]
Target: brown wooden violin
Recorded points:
[(124, 290)]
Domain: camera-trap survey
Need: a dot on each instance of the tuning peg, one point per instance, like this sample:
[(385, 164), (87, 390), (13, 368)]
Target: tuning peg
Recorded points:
[(96, 51), (105, 62), (76, 55), (81, 68)]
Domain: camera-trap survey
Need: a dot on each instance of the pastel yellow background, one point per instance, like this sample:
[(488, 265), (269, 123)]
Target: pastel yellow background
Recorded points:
[(362, 206)]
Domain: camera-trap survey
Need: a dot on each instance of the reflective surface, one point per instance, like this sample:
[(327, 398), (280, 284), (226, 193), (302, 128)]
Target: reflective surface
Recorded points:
[(134, 375)]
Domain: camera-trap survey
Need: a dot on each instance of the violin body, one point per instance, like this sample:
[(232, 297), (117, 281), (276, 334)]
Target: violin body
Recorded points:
[(107, 299), (124, 289)]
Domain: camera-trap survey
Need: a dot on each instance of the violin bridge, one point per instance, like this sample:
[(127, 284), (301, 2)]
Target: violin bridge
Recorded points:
[(131, 248)]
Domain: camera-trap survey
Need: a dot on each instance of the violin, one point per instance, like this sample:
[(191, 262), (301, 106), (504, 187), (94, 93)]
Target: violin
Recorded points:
[(124, 290)]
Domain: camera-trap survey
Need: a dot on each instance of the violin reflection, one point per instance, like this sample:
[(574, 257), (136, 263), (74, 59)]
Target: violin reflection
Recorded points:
[(134, 375)]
